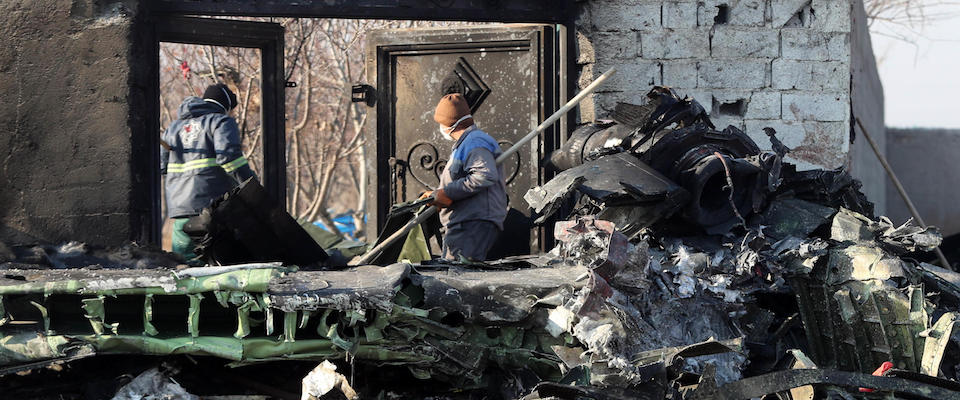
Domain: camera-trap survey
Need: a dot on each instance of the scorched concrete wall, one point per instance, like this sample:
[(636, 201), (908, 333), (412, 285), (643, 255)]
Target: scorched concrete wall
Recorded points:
[(785, 64), (65, 136)]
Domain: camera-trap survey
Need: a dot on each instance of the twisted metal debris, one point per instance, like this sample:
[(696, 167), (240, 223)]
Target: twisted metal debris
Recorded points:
[(679, 273)]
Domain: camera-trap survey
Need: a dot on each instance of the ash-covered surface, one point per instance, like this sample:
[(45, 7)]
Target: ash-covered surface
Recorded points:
[(81, 255), (690, 266)]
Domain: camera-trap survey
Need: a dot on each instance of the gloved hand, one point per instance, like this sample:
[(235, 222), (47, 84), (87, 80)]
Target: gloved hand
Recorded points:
[(441, 200)]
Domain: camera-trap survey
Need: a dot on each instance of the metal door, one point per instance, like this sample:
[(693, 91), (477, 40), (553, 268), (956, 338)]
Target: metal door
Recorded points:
[(510, 77)]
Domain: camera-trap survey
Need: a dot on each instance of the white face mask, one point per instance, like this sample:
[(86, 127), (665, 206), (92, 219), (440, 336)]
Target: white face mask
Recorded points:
[(447, 131)]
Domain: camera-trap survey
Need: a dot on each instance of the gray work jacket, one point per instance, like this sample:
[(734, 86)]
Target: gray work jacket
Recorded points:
[(474, 181), (205, 160)]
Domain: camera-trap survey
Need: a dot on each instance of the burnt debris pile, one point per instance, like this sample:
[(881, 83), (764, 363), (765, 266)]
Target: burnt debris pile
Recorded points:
[(689, 265), (720, 271), (666, 162)]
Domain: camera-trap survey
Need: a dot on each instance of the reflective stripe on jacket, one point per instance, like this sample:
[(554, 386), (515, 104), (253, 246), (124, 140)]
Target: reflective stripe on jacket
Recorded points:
[(205, 159)]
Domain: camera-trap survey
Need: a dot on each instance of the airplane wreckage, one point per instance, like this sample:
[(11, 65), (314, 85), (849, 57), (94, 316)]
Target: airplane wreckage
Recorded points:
[(689, 265)]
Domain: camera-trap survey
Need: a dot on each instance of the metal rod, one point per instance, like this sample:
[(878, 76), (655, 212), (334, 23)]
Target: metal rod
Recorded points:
[(375, 251), (901, 190), (553, 118)]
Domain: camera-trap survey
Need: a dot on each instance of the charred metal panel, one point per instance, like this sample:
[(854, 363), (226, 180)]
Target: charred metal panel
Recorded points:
[(510, 76), (496, 299), (637, 195), (245, 226)]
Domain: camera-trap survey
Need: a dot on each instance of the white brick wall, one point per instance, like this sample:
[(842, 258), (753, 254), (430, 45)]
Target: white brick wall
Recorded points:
[(679, 14), (742, 13), (735, 42), (733, 73), (808, 44), (675, 43), (788, 61), (764, 105), (680, 72), (815, 106)]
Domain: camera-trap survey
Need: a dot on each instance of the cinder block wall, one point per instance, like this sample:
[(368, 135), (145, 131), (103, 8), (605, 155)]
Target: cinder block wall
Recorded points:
[(785, 64), (65, 137)]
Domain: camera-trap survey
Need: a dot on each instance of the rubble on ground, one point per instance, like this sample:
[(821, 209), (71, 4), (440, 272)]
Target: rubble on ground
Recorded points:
[(153, 385), (689, 265)]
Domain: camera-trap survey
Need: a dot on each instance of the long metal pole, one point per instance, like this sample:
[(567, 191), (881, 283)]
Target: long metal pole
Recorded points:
[(901, 190), (370, 255)]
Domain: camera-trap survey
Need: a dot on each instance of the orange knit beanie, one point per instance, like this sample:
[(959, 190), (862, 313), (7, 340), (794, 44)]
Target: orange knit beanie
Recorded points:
[(451, 108)]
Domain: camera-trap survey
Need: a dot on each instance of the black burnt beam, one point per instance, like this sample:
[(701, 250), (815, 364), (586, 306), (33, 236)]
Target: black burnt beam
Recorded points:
[(547, 11)]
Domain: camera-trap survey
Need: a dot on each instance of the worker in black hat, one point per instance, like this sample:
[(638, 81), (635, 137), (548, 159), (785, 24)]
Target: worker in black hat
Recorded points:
[(201, 158)]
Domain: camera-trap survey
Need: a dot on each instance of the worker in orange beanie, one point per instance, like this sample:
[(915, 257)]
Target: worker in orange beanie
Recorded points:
[(472, 194)]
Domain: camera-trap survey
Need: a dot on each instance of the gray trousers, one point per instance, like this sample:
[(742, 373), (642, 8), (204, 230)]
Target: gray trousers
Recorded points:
[(469, 239)]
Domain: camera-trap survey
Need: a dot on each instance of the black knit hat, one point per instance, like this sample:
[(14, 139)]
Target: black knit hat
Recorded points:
[(222, 95)]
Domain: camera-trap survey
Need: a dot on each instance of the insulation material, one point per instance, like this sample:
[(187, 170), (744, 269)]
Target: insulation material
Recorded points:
[(324, 379)]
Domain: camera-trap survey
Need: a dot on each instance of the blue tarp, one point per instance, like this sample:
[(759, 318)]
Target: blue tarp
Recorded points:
[(343, 222)]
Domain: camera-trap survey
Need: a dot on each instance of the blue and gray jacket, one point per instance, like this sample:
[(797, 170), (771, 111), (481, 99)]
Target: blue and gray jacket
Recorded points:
[(205, 160), (474, 181)]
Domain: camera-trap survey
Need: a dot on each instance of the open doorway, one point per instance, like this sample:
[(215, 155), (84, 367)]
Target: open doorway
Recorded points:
[(247, 57), (185, 71)]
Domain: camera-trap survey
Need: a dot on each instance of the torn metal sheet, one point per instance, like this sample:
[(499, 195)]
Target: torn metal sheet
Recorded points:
[(614, 180), (794, 217), (862, 263), (723, 175), (547, 199), (938, 337), (364, 287), (245, 226), (595, 243), (121, 282), (851, 226), (496, 297), (943, 281), (834, 188), (871, 316), (378, 314)]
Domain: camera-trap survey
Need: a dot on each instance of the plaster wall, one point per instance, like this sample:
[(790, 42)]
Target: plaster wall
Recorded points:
[(65, 137)]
